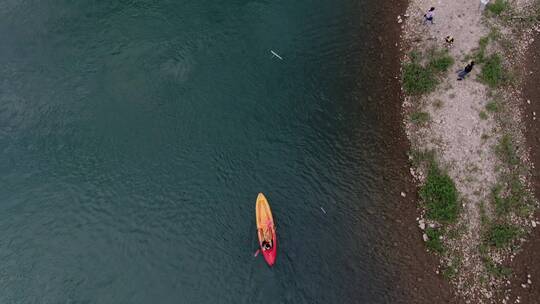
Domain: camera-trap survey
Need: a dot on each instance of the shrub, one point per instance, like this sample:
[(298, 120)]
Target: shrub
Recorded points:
[(497, 7), (440, 196), (495, 270), (449, 272), (418, 79), (441, 63), (483, 115), (434, 242), (506, 150), (501, 235), (480, 53), (516, 196), (420, 117), (493, 106), (492, 72)]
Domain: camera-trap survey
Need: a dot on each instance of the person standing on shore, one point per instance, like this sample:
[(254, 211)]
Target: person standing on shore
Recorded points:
[(429, 15), (465, 71)]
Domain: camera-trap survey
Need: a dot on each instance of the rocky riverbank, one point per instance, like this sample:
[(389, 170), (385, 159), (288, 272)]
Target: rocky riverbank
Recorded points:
[(468, 150)]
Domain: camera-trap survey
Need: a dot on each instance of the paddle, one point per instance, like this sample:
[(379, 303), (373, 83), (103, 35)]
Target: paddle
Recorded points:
[(256, 253)]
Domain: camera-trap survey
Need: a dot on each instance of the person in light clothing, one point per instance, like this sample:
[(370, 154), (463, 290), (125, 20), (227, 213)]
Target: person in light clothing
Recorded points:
[(429, 15)]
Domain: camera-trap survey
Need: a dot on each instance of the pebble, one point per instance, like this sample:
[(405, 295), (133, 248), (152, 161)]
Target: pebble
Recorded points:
[(524, 285), (422, 224), (403, 194), (529, 276), (533, 223), (529, 281), (425, 237), (528, 101)]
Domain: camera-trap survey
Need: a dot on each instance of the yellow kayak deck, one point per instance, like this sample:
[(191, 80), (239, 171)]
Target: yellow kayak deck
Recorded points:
[(265, 221)]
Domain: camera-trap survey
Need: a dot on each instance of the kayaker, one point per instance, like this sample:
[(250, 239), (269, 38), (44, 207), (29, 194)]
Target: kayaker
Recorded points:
[(266, 245)]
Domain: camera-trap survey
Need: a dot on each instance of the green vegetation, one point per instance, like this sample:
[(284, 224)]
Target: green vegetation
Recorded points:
[(515, 198), (495, 270), (493, 107), (506, 151), (441, 62), (418, 78), (500, 235), (420, 117), (434, 242), (483, 115), (480, 54), (420, 157), (440, 196), (497, 7), (449, 272), (492, 72)]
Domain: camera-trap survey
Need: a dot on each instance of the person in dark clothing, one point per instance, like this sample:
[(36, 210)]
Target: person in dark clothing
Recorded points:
[(267, 245), (465, 71)]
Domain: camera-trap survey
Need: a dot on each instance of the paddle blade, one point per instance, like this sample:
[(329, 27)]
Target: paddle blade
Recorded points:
[(256, 253)]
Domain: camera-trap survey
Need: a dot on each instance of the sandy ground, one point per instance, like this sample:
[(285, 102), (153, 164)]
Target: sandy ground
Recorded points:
[(462, 140)]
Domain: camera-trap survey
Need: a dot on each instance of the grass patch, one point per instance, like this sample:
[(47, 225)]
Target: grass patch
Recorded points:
[(493, 107), (418, 79), (420, 157), (440, 196), (501, 235), (506, 150), (492, 72), (434, 242), (515, 198), (495, 270), (420, 118), (502, 205), (480, 54), (449, 272), (483, 115), (497, 7), (441, 62)]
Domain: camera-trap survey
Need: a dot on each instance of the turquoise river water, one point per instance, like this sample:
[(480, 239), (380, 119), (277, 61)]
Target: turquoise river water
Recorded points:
[(135, 136)]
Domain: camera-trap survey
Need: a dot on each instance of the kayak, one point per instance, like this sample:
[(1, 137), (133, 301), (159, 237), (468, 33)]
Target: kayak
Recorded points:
[(265, 225)]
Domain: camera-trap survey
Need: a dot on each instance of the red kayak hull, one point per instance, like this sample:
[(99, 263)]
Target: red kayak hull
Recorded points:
[(270, 255)]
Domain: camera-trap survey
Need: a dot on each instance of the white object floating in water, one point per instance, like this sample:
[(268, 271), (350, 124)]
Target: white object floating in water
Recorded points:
[(323, 210), (275, 54)]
